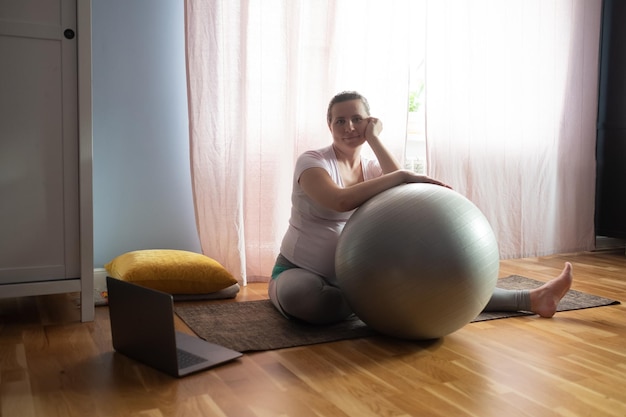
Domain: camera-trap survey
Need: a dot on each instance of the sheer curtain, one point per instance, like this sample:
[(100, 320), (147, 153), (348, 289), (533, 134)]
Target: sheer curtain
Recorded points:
[(260, 75), (511, 93), (511, 109)]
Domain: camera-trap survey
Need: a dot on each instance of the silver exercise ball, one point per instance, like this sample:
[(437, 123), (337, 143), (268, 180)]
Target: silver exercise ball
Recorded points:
[(417, 261)]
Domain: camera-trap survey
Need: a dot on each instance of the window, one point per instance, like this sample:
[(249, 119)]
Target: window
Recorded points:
[(415, 151)]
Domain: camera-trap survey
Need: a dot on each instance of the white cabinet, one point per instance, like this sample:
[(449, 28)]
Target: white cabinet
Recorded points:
[(46, 232)]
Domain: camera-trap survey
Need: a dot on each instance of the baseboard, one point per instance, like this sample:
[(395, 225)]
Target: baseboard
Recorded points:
[(99, 286), (99, 278), (609, 243)]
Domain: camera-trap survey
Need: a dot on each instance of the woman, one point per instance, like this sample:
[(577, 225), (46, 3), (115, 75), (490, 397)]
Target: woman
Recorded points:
[(328, 185)]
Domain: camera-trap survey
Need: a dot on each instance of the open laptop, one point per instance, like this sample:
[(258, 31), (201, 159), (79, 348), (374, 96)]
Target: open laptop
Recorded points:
[(142, 328)]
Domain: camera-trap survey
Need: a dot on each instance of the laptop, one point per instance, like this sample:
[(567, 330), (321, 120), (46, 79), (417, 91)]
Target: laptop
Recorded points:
[(142, 328)]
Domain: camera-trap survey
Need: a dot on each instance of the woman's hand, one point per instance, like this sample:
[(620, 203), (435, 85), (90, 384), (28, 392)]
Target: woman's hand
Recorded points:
[(412, 177), (373, 128), (386, 160)]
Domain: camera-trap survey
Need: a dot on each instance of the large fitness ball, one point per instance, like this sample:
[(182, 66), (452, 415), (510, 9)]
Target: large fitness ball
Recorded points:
[(417, 261)]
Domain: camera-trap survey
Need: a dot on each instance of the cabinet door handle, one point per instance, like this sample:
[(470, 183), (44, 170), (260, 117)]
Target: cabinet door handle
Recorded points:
[(69, 34)]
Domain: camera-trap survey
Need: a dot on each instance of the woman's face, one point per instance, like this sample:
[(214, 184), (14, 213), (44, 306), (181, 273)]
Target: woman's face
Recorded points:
[(348, 122)]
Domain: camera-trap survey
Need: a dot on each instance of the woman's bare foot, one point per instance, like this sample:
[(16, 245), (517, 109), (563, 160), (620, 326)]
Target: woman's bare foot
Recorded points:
[(545, 299)]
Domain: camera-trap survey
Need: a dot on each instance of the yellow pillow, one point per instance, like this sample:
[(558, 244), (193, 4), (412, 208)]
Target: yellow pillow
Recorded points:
[(171, 271)]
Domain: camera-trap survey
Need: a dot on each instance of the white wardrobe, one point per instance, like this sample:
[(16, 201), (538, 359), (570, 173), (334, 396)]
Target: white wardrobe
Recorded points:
[(46, 220)]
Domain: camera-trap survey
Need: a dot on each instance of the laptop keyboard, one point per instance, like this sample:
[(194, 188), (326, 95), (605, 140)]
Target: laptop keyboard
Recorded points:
[(186, 359)]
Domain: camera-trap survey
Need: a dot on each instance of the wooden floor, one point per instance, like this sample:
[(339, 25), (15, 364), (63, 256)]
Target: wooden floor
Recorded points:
[(571, 365)]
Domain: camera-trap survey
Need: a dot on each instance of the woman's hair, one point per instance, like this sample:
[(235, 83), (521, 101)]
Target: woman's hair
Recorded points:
[(346, 96)]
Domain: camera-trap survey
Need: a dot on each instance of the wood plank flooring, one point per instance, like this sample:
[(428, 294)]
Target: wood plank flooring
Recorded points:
[(571, 365)]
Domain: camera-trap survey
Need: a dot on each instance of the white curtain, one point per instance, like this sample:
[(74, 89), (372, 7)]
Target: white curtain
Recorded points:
[(511, 103), (511, 91), (260, 75)]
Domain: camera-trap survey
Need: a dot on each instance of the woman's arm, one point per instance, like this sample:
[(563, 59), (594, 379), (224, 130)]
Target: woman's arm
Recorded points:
[(318, 185), (386, 160)]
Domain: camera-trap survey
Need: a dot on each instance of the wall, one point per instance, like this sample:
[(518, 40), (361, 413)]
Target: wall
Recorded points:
[(141, 178)]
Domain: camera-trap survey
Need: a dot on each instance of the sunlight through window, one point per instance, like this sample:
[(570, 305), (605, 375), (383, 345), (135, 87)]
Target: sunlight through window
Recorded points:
[(415, 151)]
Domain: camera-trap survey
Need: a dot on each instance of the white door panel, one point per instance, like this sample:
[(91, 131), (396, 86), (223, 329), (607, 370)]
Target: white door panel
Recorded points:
[(38, 142)]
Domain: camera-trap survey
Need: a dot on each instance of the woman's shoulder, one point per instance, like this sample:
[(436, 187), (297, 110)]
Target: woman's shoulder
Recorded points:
[(371, 168), (322, 155), (318, 158)]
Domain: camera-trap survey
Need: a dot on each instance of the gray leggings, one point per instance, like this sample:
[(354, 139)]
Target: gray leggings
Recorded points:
[(298, 293)]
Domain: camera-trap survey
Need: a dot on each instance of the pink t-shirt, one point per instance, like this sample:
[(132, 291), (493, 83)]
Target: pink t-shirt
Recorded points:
[(313, 231)]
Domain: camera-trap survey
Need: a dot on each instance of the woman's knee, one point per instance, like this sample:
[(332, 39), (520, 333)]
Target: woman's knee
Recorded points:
[(307, 296)]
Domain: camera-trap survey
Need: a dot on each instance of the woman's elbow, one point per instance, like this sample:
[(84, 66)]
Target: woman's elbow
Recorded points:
[(344, 204)]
